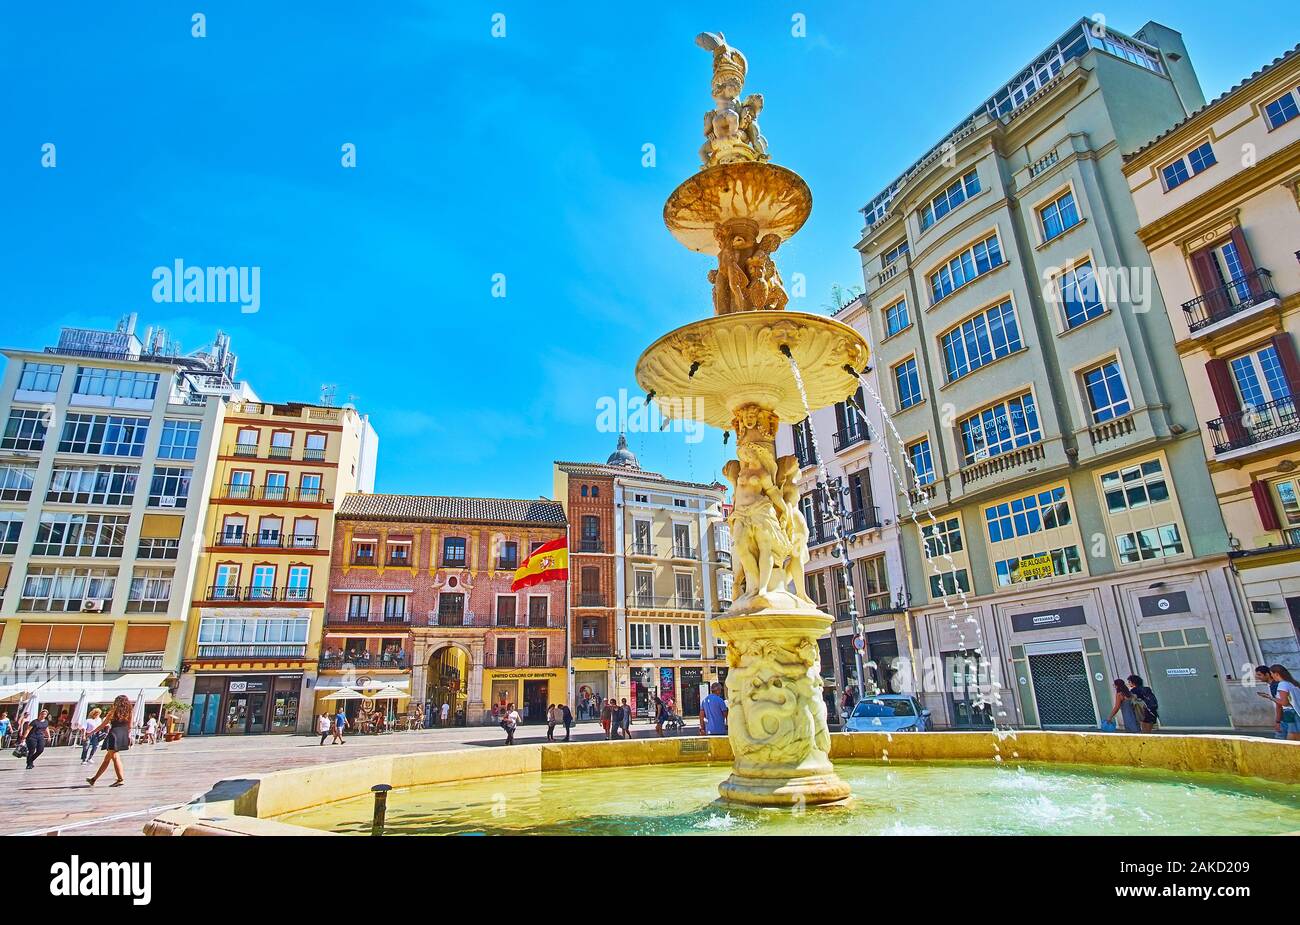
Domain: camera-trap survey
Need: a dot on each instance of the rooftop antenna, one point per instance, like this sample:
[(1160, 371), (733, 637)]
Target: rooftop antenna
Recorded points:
[(327, 393)]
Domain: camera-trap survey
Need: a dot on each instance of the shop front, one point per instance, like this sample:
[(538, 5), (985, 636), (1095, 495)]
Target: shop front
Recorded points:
[(590, 689), (531, 690), (245, 704)]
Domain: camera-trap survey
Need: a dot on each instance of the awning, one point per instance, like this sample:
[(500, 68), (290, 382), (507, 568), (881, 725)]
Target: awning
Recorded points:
[(130, 683)]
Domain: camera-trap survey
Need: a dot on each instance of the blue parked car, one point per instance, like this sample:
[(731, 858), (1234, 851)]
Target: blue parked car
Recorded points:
[(889, 713)]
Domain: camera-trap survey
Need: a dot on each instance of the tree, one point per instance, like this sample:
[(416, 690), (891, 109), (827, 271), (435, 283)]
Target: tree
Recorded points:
[(840, 297)]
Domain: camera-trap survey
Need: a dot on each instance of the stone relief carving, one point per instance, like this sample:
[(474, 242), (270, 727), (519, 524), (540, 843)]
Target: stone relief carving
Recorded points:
[(774, 691)]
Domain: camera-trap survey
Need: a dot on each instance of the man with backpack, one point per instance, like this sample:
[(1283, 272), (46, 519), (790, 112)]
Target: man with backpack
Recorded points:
[(1148, 708)]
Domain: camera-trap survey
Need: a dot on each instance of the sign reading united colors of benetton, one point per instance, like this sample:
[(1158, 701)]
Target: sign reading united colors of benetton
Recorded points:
[(1047, 619)]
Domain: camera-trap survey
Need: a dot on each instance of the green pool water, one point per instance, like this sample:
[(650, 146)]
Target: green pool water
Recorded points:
[(900, 798)]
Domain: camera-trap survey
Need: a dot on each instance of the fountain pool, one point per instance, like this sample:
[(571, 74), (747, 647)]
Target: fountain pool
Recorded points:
[(903, 798)]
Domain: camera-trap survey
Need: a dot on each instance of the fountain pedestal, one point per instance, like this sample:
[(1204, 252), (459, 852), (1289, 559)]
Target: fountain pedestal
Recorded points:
[(746, 369)]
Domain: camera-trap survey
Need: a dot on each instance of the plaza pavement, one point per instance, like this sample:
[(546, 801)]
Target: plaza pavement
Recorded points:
[(55, 796)]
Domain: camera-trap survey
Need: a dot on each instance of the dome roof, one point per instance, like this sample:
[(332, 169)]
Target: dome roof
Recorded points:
[(622, 456)]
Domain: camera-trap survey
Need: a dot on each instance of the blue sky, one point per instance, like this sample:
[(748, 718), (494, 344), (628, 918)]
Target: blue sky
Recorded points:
[(476, 156)]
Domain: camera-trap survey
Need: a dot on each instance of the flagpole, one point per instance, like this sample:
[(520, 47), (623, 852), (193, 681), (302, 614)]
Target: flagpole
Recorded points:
[(568, 615)]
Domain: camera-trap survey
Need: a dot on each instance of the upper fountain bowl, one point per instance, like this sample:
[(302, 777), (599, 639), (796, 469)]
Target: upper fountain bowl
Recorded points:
[(707, 369), (775, 198)]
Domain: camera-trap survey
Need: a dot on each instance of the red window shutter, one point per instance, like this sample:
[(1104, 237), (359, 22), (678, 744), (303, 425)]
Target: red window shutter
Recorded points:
[(1216, 302), (1284, 344), (1225, 390), (1264, 503), (1243, 251)]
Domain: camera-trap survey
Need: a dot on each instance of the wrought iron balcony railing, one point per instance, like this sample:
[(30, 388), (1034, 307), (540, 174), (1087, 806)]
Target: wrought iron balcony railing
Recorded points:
[(1255, 425), (843, 439), (258, 593), (1238, 295), (867, 518)]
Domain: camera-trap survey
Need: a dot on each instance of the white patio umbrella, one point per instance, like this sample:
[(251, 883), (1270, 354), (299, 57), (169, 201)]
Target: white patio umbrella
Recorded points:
[(343, 693), (389, 693), (29, 711), (78, 713), (137, 715)]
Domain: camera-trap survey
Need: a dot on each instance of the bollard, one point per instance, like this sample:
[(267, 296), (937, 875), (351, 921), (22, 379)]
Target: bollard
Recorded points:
[(381, 807)]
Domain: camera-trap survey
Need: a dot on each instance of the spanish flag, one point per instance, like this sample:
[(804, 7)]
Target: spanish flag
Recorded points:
[(549, 562)]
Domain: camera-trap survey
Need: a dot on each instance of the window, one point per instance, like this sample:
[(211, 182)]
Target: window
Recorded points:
[(643, 584), (971, 263), (942, 538), (537, 653), (980, 340), (1134, 487), (641, 499), (86, 535), (584, 491), (816, 587), (115, 383), (595, 491), (263, 584), (908, 383), (509, 555), (1080, 295), (40, 377), (689, 636), (1282, 110), (896, 318), (252, 630), (922, 460), (1107, 396), (298, 587), (180, 440), (104, 435), (25, 430), (314, 447), (506, 611), (246, 442), (638, 635), (11, 526), (281, 444), (276, 487), (679, 502), (1183, 169), (16, 481), (451, 609), (999, 429), (1058, 216), (170, 486), (665, 638), (1288, 497), (682, 541), (956, 193), (898, 250), (1151, 543), (363, 552), (395, 607), (270, 531), (453, 550), (309, 487), (538, 610), (875, 583), (60, 590), (1259, 377), (1065, 561), (590, 541), (399, 553), (241, 484), (1025, 516), (359, 607), (151, 590), (949, 583), (685, 584), (93, 485)]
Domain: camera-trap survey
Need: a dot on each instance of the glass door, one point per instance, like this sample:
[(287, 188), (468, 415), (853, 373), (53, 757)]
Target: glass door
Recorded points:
[(257, 712)]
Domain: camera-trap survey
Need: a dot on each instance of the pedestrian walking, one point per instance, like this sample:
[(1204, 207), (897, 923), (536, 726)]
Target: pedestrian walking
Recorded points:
[(626, 716), (552, 717), (660, 715), (151, 730), (117, 725), (323, 726), (35, 735), (91, 739), (510, 722), (340, 723), (1146, 705), (713, 712), (444, 713), (606, 716), (1125, 708), (1264, 675), (5, 727), (1288, 699), (566, 716)]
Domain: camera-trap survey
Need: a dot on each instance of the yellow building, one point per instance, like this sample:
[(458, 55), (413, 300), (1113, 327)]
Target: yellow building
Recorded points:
[(253, 642), (1218, 200)]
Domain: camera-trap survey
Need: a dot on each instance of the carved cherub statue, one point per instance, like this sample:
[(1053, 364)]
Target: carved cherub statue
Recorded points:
[(766, 291), (760, 541), (731, 280), (787, 480), (749, 111), (728, 137)]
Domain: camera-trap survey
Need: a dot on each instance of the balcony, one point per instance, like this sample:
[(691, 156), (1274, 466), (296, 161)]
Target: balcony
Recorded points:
[(454, 618), (362, 559), (264, 541), (258, 593), (1275, 420), (256, 650), (820, 533), (867, 518), (1003, 462), (1110, 430), (805, 457), (371, 621), (1241, 294), (593, 650), (59, 661), (671, 602), (641, 549), (684, 551), (922, 497), (843, 439), (400, 561), (507, 565), (365, 662), (273, 493), (593, 599), (590, 544), (523, 660), (142, 661)]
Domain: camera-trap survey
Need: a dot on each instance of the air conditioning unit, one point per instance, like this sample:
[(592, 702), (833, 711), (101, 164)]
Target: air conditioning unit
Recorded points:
[(92, 605)]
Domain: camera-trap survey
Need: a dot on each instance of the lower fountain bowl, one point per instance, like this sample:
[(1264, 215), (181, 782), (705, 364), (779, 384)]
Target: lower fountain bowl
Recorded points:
[(808, 790)]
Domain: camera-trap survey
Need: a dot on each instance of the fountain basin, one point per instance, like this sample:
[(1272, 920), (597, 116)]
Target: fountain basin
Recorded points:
[(676, 779), (774, 198)]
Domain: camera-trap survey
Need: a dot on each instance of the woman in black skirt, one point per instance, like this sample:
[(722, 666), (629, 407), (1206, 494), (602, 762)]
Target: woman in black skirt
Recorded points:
[(118, 724)]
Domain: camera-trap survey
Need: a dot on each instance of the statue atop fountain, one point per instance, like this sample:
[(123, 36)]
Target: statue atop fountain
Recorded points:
[(739, 367)]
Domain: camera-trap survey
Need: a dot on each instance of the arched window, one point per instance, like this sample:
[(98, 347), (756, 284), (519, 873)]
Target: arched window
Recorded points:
[(595, 491), (584, 491)]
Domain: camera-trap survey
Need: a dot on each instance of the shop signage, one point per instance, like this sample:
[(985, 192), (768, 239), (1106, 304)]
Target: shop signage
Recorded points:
[(522, 675), (1159, 604), (1047, 619), (1180, 672), (1031, 567)]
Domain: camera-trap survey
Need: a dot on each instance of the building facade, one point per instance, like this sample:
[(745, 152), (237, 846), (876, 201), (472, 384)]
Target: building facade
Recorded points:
[(106, 458), (420, 599), (670, 556), (1218, 198), (258, 599), (853, 441), (1027, 363)]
